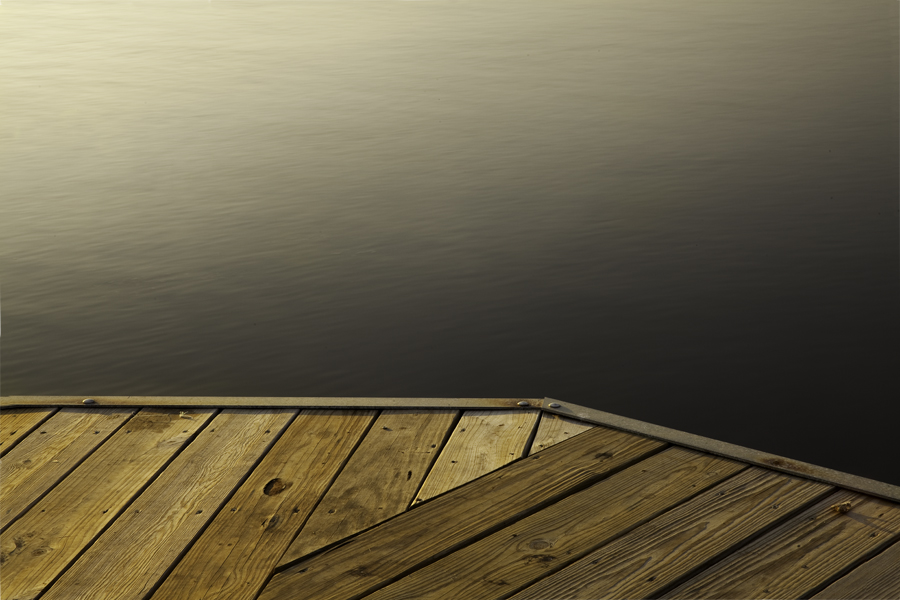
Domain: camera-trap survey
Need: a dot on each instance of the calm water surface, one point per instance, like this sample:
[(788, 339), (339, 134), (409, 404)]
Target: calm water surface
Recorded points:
[(681, 212)]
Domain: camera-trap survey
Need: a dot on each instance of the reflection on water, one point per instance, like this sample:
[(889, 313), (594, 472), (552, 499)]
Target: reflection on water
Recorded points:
[(681, 212)]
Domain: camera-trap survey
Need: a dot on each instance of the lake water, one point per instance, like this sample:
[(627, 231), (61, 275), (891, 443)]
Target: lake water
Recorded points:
[(681, 212)]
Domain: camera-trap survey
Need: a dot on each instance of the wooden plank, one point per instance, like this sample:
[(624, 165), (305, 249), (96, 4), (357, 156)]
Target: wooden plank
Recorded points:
[(50, 452), (237, 552), (876, 579), (555, 428), (482, 442), (132, 556), (272, 402), (658, 554), (380, 480), (803, 554), (39, 545), (528, 550), (16, 423), (373, 558)]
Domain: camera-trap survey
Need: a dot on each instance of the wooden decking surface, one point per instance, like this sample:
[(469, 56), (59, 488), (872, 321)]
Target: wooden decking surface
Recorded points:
[(414, 503)]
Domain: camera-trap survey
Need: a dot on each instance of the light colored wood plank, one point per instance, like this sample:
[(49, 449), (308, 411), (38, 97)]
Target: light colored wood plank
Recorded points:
[(876, 579), (802, 554), (555, 428), (380, 480), (16, 423), (237, 552), (482, 442), (651, 558), (50, 452), (39, 545), (548, 540), (131, 557), (373, 558)]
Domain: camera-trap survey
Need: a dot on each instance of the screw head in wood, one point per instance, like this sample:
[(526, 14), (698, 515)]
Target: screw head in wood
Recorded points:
[(523, 403), (89, 401), (554, 405)]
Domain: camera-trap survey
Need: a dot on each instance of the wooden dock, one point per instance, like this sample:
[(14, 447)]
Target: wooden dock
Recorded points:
[(386, 498)]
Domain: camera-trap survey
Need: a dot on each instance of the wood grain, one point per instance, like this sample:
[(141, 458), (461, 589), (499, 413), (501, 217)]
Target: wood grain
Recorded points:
[(547, 541), (484, 440), (132, 556), (39, 545), (237, 552), (801, 555), (373, 558), (876, 579), (661, 552), (16, 423), (555, 428), (51, 451), (379, 481)]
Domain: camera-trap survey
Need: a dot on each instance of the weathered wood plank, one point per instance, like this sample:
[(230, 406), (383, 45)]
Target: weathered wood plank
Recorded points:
[(555, 428), (131, 557), (547, 541), (43, 458), (804, 553), (373, 558), (379, 481), (39, 545), (484, 440), (237, 552), (658, 554), (16, 423), (876, 579)]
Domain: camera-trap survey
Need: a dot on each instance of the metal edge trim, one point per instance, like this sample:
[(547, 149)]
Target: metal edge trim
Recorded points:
[(725, 449)]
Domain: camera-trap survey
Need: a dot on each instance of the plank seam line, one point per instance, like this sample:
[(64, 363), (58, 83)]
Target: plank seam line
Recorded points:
[(63, 477), (741, 544), (315, 507), (443, 445), (572, 559), (530, 442), (225, 500), (840, 573), (127, 505), (27, 433), (507, 522)]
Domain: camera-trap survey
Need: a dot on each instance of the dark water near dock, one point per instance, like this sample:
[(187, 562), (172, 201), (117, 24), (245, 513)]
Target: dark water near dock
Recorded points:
[(681, 212)]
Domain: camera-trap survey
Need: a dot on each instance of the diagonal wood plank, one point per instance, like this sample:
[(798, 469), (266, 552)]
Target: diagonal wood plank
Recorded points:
[(43, 458), (375, 557), (379, 481), (39, 546), (875, 579), (658, 554), (555, 428), (131, 557), (16, 423), (802, 554), (547, 541), (483, 440), (237, 552)]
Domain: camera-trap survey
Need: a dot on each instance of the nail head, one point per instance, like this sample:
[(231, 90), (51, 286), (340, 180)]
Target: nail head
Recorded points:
[(523, 403), (554, 405), (89, 401)]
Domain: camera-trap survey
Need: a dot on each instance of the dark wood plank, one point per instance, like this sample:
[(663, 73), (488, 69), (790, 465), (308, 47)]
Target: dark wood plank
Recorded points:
[(803, 554), (658, 554), (373, 558), (39, 545), (237, 552), (16, 423), (50, 452), (555, 428), (548, 540), (131, 557), (379, 481), (876, 579), (484, 440)]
